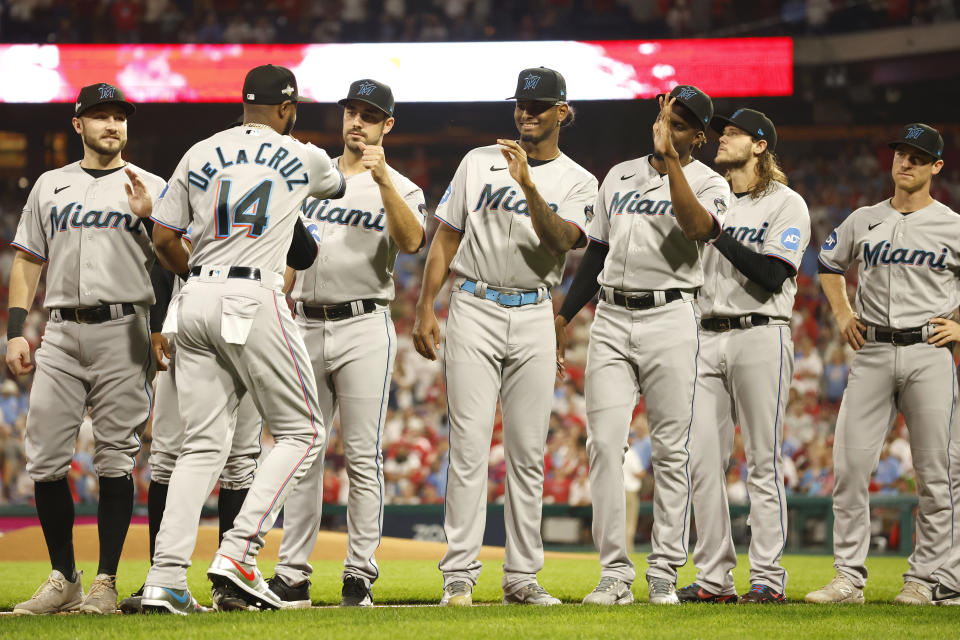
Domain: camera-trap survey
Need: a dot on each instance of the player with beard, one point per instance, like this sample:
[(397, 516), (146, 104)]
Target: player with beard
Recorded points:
[(745, 362), (96, 348)]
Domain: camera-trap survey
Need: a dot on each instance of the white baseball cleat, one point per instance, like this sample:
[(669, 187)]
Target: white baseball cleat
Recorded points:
[(841, 590), (945, 596), (247, 577), (165, 600), (56, 594), (662, 591), (102, 597), (532, 594), (914, 593), (610, 591), (458, 593)]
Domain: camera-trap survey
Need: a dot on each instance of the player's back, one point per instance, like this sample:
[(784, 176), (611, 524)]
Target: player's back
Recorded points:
[(245, 187)]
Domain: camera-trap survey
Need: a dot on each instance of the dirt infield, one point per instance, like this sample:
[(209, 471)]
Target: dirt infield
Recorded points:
[(27, 544)]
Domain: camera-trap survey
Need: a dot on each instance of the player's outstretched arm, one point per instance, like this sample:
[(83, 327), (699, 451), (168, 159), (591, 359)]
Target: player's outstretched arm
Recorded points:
[(169, 250), (402, 222), (695, 221), (426, 329), (24, 277), (835, 288), (556, 234)]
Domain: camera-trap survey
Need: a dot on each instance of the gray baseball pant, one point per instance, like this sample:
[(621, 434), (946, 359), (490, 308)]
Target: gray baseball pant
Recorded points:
[(353, 363), (656, 350)]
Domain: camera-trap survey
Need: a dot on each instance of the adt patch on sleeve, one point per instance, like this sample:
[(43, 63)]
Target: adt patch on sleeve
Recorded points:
[(790, 239), (446, 194), (830, 242)]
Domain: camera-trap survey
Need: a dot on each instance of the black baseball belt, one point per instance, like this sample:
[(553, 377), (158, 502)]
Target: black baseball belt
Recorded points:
[(737, 322), (340, 311), (897, 337), (643, 300), (243, 273), (94, 315)]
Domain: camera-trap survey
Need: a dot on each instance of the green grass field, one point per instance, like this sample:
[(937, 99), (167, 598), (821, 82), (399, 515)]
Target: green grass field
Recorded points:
[(417, 582)]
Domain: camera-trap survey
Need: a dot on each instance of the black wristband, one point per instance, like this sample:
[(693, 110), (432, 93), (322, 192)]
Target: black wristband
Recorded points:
[(15, 321)]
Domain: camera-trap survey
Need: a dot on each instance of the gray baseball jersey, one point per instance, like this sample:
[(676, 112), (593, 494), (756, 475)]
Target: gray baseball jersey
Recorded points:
[(776, 224), (356, 253), (907, 264), (634, 215), (249, 183), (82, 226), (499, 244)]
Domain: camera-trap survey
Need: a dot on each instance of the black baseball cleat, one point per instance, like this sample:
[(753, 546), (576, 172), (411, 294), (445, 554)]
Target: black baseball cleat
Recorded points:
[(762, 594), (695, 593), (293, 597), (133, 604), (945, 596), (356, 593), (227, 597)]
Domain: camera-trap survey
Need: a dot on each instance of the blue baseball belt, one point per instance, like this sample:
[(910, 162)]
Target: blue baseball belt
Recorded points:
[(503, 298)]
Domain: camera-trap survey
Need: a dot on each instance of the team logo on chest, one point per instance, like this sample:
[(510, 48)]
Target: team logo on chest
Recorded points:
[(72, 216), (882, 253), (317, 210), (504, 198)]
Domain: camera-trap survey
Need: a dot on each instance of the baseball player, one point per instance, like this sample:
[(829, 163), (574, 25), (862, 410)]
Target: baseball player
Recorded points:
[(906, 251), (343, 312), (96, 349), (745, 363), (653, 216), (241, 190), (509, 216)]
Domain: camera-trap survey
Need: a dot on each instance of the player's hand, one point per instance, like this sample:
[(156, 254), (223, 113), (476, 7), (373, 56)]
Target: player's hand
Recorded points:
[(426, 333), (375, 160), (140, 200), (560, 327), (18, 356), (852, 330), (662, 140), (516, 161), (161, 350), (944, 332)]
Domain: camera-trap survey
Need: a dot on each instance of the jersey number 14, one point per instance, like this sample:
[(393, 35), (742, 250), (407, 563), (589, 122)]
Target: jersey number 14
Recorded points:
[(250, 211)]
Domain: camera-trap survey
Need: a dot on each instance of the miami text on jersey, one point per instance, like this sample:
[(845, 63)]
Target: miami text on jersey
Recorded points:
[(748, 234), (340, 215), (504, 196), (630, 202), (92, 219), (262, 157), (881, 254)]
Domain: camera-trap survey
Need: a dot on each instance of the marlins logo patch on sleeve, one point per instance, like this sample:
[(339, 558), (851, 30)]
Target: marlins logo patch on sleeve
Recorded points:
[(588, 211), (790, 239), (720, 205)]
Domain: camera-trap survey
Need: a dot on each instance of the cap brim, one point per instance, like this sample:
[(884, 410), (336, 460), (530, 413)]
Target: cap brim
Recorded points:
[(719, 123), (304, 99), (551, 100), (127, 107), (344, 102), (897, 143)]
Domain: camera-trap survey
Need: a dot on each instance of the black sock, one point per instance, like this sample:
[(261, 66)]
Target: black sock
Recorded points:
[(55, 511), (228, 506), (113, 520), (156, 502)]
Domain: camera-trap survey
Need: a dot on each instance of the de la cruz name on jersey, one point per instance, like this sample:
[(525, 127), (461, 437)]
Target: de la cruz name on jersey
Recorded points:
[(264, 157)]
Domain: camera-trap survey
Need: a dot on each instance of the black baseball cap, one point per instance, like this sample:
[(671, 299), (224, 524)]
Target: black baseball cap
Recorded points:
[(699, 103), (371, 92), (923, 137), (755, 123), (101, 93), (540, 84), (271, 84)]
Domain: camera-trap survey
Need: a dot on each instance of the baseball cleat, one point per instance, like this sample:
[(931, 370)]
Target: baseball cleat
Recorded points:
[(458, 593), (229, 598), (247, 577), (945, 596), (355, 593), (532, 594), (662, 591), (167, 600), (841, 590), (610, 591), (133, 603), (762, 594), (914, 593), (102, 597), (291, 597), (693, 592), (56, 594)]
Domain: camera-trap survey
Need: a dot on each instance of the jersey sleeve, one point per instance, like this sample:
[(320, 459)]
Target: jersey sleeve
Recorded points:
[(598, 226), (326, 181), (714, 195), (30, 236), (172, 209), (577, 207), (452, 210), (837, 252), (788, 235), (417, 203)]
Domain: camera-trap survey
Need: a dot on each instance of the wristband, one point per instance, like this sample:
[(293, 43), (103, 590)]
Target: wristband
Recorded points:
[(15, 321)]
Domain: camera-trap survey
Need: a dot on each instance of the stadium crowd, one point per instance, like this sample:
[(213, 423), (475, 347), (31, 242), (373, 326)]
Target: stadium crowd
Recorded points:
[(299, 21), (415, 431)]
